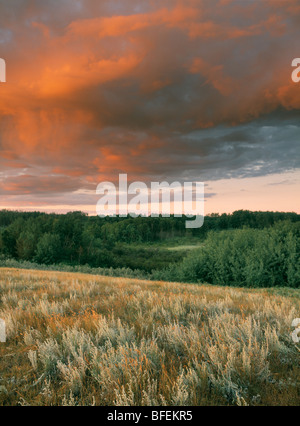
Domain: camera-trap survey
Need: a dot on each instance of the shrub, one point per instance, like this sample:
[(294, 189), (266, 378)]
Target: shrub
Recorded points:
[(246, 257)]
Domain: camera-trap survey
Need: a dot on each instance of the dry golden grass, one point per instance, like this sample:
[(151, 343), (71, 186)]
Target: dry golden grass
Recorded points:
[(84, 340)]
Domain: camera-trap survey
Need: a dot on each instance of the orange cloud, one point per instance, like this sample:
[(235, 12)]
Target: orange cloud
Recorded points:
[(215, 76), (102, 88), (116, 26)]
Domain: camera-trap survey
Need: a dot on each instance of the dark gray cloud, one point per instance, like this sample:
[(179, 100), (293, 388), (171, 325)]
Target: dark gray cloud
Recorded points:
[(173, 90)]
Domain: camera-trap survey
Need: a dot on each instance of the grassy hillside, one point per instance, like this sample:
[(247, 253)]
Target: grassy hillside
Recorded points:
[(80, 339)]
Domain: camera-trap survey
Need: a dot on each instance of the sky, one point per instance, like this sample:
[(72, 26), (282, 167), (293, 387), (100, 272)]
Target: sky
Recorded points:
[(165, 90)]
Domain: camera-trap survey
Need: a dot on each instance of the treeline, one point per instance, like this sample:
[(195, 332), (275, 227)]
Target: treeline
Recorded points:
[(77, 239), (267, 257)]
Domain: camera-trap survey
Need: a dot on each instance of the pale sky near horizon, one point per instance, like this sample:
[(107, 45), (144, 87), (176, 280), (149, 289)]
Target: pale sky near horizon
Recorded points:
[(169, 90)]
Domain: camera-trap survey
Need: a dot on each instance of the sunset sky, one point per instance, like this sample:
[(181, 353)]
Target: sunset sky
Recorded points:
[(193, 90)]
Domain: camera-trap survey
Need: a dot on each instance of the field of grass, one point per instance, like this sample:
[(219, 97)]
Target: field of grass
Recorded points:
[(185, 247), (77, 339)]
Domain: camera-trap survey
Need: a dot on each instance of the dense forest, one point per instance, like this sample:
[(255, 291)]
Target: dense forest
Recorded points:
[(242, 248)]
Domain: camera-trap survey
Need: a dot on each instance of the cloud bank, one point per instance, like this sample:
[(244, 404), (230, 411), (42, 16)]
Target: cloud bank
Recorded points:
[(170, 90)]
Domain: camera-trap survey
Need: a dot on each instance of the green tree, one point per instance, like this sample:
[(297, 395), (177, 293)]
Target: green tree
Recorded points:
[(26, 245), (48, 249)]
